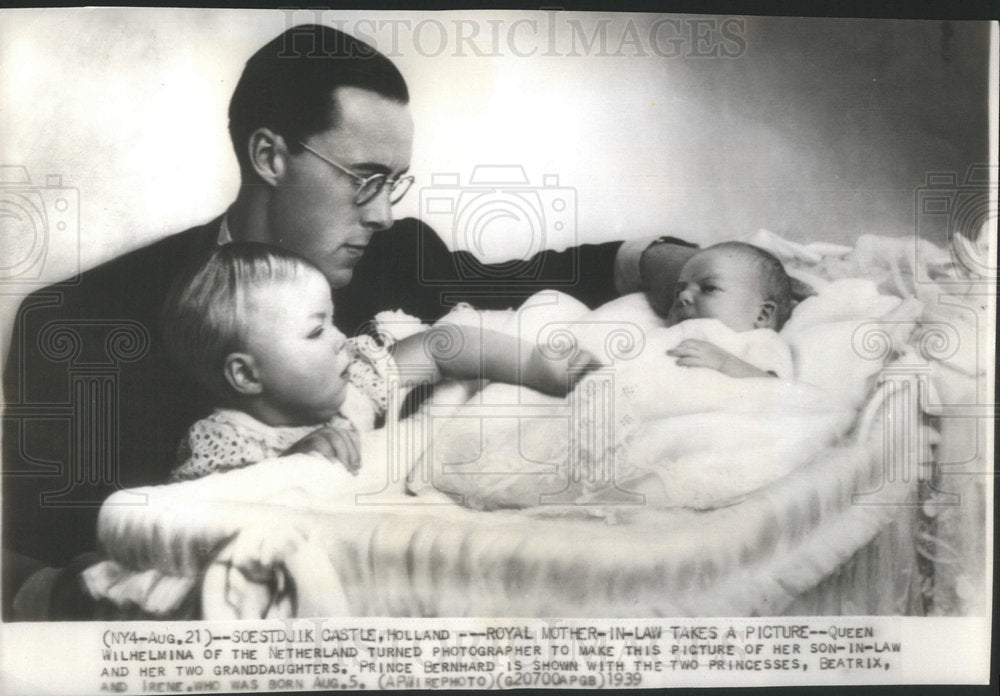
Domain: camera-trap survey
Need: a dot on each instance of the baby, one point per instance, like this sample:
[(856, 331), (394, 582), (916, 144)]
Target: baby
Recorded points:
[(746, 288), (253, 324), (647, 420)]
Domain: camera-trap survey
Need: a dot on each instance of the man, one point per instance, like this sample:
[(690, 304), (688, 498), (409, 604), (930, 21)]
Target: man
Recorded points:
[(323, 136)]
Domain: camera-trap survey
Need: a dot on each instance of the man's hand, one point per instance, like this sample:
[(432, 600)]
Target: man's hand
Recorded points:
[(695, 353), (338, 444), (659, 267), (557, 376)]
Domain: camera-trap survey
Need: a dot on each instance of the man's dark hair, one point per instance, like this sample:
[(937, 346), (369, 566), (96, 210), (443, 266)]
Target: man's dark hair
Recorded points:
[(288, 84)]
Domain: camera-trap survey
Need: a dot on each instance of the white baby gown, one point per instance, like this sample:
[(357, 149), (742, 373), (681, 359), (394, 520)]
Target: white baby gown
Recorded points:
[(640, 415)]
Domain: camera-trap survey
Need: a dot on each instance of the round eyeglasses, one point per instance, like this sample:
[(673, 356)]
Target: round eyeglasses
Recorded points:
[(369, 186)]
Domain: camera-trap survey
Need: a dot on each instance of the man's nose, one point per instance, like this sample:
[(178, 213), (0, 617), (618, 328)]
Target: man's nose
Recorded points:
[(377, 213)]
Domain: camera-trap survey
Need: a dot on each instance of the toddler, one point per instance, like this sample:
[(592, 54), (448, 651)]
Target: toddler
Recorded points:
[(253, 324)]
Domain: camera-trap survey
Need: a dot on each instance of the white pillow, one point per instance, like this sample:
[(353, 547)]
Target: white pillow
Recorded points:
[(840, 300), (841, 337)]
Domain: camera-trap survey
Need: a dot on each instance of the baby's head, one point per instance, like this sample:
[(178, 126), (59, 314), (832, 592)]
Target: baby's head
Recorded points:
[(254, 324), (739, 284)]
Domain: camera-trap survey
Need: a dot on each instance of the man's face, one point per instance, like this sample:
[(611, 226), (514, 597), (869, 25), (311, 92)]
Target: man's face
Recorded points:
[(312, 210)]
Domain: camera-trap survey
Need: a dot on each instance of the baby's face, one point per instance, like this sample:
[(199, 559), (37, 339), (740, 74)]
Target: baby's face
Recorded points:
[(300, 356), (718, 284)]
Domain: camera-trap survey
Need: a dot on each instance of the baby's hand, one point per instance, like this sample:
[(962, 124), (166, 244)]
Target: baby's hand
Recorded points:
[(695, 353), (341, 444)]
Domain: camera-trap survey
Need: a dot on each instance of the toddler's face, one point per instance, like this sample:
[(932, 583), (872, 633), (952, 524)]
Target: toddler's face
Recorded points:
[(300, 356), (718, 284)]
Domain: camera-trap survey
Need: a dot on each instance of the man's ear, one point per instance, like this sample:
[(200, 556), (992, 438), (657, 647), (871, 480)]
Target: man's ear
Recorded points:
[(765, 315), (241, 374), (268, 155)]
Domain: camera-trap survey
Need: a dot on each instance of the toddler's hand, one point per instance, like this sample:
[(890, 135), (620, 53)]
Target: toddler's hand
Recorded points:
[(557, 376), (341, 444), (695, 353), (659, 266)]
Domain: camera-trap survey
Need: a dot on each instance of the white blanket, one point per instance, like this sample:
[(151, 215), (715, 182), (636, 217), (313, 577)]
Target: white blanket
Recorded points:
[(641, 431)]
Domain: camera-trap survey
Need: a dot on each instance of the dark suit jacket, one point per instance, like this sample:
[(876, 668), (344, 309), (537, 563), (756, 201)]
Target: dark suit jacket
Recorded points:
[(92, 406)]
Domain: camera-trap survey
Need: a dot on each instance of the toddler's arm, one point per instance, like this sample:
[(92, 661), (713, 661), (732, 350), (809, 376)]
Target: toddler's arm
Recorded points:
[(464, 352), (336, 443), (695, 353)]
